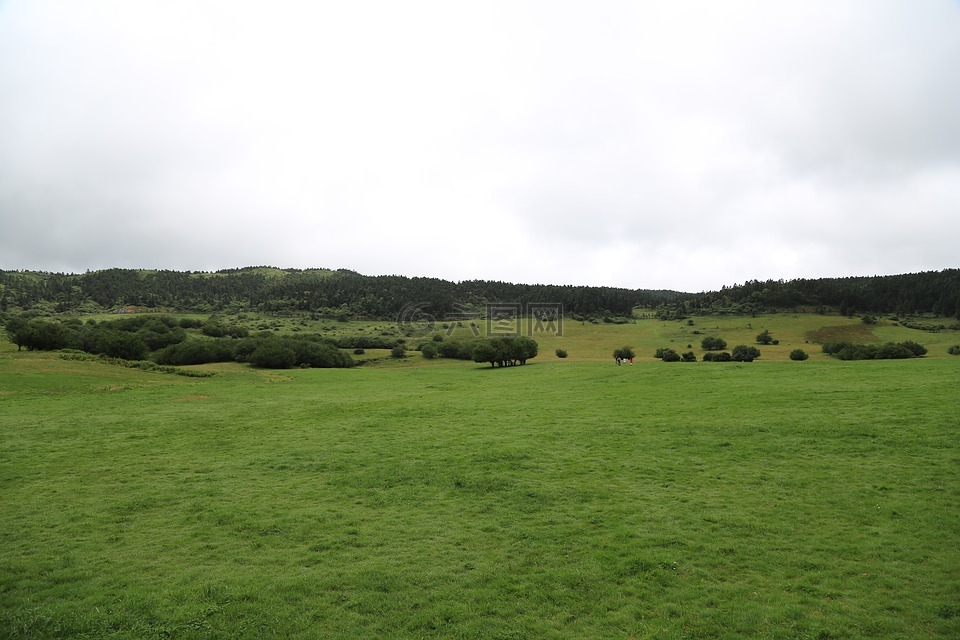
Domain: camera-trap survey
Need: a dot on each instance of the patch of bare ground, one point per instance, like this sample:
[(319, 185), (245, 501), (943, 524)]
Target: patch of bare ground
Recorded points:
[(859, 333)]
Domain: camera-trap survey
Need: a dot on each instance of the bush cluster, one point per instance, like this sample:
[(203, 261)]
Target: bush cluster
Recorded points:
[(723, 356), (128, 338), (744, 353), (887, 351), (712, 343), (164, 341), (932, 328), (364, 342), (670, 355), (196, 352), (455, 349), (505, 351)]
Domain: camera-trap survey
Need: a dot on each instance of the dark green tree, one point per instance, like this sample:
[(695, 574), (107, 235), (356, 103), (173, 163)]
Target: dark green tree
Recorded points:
[(200, 352), (524, 348), (712, 343), (506, 350), (43, 335), (273, 354), (744, 353), (18, 332), (669, 355), (121, 344), (456, 349), (486, 351)]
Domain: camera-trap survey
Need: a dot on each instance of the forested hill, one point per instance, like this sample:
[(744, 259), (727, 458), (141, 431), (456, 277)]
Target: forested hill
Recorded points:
[(341, 293), (936, 292), (344, 293)]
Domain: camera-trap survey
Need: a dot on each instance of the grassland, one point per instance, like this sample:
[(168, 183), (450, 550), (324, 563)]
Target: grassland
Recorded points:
[(414, 499)]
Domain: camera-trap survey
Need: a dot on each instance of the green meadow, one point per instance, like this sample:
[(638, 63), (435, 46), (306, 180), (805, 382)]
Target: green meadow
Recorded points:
[(444, 499)]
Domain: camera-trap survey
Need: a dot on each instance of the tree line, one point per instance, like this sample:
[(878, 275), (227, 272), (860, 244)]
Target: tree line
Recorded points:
[(336, 294), (346, 294), (929, 292)]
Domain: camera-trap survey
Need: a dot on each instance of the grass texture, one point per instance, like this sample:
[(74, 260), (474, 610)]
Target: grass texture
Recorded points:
[(555, 500)]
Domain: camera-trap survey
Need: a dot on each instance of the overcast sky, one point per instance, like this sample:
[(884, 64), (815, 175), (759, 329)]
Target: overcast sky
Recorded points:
[(676, 144)]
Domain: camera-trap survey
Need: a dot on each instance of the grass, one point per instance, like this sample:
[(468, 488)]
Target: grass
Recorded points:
[(443, 499)]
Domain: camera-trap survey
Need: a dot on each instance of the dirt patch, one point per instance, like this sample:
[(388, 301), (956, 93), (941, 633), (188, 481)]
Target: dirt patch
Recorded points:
[(859, 333)]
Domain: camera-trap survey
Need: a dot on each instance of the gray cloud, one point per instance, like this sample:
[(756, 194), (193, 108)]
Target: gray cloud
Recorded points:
[(684, 145)]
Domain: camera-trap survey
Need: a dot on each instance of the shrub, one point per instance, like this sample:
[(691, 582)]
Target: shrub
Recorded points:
[(889, 350), (456, 350), (764, 337), (318, 354), (429, 351), (723, 356), (745, 353), (273, 354), (917, 349), (366, 342), (196, 352), (669, 355), (398, 351), (121, 344), (624, 353), (561, 353), (689, 356), (712, 343), (798, 354), (954, 350)]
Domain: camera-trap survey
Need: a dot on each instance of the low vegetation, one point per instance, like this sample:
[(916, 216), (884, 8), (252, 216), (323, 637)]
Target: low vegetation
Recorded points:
[(164, 340), (424, 499), (886, 351), (713, 343)]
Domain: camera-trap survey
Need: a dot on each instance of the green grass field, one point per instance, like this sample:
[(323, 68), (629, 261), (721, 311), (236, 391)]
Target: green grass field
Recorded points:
[(444, 499)]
